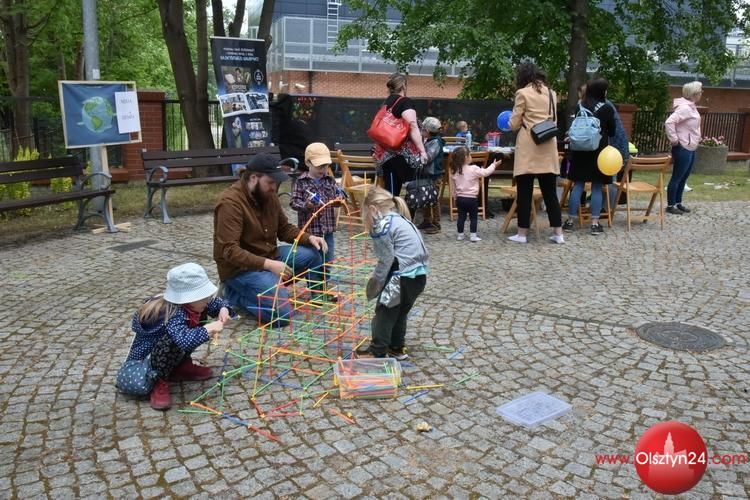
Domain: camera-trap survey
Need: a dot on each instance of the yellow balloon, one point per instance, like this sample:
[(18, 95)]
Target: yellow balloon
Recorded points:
[(609, 161)]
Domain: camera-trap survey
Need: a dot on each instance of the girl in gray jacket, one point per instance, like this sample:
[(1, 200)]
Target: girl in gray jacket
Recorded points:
[(399, 276)]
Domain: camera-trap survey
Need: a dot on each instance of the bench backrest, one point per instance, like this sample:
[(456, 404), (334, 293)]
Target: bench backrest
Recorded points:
[(197, 158), (31, 170)]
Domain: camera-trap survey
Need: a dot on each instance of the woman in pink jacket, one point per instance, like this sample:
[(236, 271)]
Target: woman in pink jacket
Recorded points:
[(684, 132)]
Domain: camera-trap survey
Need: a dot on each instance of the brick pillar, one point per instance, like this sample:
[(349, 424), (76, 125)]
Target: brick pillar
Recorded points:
[(627, 115), (150, 104), (744, 130)]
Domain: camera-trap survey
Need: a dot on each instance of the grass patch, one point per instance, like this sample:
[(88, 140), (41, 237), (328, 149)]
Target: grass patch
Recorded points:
[(732, 185), (128, 202)]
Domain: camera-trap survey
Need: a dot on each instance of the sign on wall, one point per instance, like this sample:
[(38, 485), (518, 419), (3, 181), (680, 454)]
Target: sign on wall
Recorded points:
[(97, 113)]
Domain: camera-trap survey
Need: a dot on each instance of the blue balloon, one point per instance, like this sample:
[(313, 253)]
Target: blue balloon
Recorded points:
[(503, 121)]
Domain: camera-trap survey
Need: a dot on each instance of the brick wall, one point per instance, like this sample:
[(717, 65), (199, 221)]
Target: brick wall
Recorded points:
[(358, 84), (152, 132), (718, 100)]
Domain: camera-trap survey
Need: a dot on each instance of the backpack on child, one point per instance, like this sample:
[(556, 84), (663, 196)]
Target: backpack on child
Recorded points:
[(585, 132)]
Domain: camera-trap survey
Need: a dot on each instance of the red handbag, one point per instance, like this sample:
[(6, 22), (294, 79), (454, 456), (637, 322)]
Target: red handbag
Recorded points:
[(387, 130)]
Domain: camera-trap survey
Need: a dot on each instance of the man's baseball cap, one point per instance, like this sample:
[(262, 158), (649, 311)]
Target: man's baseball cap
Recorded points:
[(317, 154), (267, 164)]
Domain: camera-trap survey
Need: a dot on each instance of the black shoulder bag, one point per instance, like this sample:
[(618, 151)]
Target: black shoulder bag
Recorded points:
[(546, 130)]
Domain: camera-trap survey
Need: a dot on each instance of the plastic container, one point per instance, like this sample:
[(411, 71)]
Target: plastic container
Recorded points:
[(533, 409), (367, 378)]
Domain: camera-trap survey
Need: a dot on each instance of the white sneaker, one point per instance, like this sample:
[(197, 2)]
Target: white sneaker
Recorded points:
[(460, 237), (474, 238), (517, 238), (687, 188), (557, 238)]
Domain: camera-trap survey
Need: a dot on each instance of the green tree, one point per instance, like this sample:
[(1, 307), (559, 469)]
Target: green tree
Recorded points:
[(491, 37)]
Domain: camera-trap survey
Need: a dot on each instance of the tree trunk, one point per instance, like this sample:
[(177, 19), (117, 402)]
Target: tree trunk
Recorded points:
[(579, 52), (266, 18), (16, 39), (235, 27), (217, 10), (173, 28)]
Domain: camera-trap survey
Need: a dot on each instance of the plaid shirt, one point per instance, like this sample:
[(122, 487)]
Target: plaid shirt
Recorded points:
[(325, 222)]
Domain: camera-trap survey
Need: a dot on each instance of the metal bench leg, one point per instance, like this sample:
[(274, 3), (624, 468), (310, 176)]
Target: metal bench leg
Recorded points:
[(81, 214), (149, 202), (163, 204)]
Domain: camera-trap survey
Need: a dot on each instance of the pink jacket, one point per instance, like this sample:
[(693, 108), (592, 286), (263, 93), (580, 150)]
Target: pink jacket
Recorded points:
[(466, 184), (684, 124)]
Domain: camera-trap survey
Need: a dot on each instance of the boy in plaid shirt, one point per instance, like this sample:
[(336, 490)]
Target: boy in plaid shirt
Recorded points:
[(313, 189)]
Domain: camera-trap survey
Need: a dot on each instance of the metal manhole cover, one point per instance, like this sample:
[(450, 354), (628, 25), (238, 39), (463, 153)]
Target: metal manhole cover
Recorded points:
[(680, 337), (134, 245)]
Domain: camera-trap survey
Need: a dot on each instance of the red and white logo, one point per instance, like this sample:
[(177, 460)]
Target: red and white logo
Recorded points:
[(671, 457)]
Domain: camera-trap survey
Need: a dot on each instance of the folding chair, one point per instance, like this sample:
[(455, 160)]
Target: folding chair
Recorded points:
[(658, 164)]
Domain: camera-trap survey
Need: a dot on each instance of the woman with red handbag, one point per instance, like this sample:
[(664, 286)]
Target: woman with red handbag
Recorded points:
[(397, 164)]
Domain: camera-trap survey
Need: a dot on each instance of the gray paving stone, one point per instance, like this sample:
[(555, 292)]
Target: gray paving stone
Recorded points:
[(524, 313)]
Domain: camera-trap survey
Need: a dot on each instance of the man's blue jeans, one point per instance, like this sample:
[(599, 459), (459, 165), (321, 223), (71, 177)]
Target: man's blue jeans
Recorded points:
[(243, 289), (682, 166)]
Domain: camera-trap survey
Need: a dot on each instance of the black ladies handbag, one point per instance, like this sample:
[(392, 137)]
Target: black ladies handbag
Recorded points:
[(546, 130), (421, 193)]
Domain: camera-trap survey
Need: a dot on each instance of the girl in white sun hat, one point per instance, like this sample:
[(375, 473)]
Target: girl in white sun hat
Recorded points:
[(167, 330)]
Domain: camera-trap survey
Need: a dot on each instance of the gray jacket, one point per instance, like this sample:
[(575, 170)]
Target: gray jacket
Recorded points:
[(395, 238)]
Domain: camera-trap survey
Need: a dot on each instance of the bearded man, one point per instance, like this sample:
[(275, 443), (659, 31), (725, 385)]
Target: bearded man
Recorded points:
[(248, 221)]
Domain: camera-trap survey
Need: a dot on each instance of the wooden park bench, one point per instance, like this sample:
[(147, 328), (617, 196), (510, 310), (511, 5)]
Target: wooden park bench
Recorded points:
[(166, 169), (52, 168)]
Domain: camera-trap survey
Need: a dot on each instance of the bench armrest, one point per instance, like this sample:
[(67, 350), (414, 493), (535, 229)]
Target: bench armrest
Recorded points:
[(293, 166), (164, 173), (87, 178)]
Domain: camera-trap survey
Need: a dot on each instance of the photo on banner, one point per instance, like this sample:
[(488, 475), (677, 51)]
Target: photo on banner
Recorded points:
[(240, 67)]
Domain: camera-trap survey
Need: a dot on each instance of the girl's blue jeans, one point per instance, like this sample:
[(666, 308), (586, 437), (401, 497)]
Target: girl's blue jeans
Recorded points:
[(682, 166), (257, 293), (574, 200)]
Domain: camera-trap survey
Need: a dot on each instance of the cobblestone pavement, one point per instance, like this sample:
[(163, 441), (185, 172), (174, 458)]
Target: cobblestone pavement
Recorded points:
[(531, 317)]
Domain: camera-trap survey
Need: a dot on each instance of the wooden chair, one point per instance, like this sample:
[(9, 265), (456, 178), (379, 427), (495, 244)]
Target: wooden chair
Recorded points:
[(355, 186), (479, 158), (536, 199), (454, 141), (658, 164), (584, 214)]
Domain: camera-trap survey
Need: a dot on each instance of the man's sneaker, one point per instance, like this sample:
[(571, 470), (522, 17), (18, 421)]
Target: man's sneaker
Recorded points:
[(160, 397), (362, 350), (461, 237), (674, 211), (433, 229), (424, 225), (687, 188), (474, 238), (399, 354), (568, 225), (517, 238), (187, 370), (683, 208), (597, 229)]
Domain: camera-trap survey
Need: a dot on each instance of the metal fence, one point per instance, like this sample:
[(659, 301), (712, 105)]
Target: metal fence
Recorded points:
[(175, 134), (649, 136), (341, 119)]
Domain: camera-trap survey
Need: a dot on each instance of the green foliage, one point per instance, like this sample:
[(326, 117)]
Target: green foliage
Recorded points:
[(491, 37), (19, 190)]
